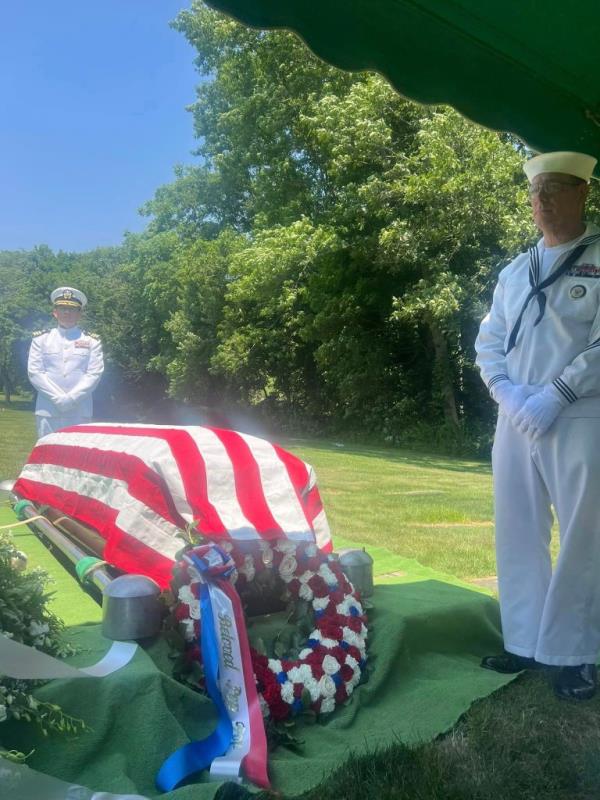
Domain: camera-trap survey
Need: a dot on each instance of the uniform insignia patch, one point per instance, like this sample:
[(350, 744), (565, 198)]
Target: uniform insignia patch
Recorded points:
[(81, 343), (584, 271), (577, 291)]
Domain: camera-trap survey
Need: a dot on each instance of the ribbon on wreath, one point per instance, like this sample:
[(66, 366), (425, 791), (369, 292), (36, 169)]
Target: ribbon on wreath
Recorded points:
[(238, 743)]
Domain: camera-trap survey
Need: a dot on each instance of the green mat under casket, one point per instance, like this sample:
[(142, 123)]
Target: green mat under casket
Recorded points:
[(426, 639)]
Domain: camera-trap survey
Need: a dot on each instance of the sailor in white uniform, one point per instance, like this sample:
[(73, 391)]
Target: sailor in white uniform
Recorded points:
[(538, 351), (65, 365)]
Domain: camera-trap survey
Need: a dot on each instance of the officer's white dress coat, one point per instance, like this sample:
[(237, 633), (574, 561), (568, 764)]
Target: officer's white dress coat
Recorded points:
[(552, 615), (64, 366)]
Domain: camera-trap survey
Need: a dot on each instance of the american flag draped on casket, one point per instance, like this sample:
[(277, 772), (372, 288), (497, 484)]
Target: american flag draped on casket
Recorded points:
[(139, 486)]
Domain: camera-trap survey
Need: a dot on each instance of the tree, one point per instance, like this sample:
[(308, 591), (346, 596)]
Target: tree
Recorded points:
[(372, 227)]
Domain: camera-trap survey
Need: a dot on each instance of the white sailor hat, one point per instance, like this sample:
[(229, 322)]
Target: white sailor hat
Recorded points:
[(67, 296), (578, 164)]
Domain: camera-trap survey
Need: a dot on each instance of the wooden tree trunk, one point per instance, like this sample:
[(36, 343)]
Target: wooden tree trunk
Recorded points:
[(443, 374)]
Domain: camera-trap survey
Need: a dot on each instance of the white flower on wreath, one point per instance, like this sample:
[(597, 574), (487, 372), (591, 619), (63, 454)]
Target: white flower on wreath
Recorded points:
[(311, 550), (195, 609), (248, 568), (185, 594), (320, 603), (286, 546), (305, 592), (353, 638), (189, 631), (327, 705), (327, 687), (287, 692), (313, 687), (352, 662), (355, 679), (266, 553), (327, 575), (306, 576), (301, 674), (343, 608), (349, 686), (329, 643), (304, 653), (288, 567), (275, 665), (330, 665)]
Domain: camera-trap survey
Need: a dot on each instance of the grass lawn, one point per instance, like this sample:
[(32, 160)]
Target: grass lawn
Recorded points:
[(434, 509), (518, 744)]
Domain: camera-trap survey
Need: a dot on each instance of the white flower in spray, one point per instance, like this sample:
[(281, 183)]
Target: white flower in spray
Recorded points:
[(328, 705), (327, 687), (330, 665), (288, 567)]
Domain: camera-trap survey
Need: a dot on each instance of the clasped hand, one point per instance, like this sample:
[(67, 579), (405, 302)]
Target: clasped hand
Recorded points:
[(64, 402), (532, 411), (539, 412)]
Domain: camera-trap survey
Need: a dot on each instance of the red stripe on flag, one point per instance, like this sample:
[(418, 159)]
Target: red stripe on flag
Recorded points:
[(121, 549), (143, 483), (189, 463), (313, 504), (248, 484), (299, 477)]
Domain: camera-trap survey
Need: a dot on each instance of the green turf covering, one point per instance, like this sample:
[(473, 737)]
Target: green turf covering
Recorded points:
[(427, 636)]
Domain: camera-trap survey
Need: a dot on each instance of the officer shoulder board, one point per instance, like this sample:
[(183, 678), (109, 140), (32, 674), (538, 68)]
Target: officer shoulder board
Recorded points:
[(40, 333), (91, 335)]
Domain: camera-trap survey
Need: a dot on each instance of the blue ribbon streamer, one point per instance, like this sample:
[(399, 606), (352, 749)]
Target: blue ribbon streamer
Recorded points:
[(196, 756)]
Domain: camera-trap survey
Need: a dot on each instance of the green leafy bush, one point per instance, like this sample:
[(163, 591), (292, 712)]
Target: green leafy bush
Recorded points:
[(25, 617)]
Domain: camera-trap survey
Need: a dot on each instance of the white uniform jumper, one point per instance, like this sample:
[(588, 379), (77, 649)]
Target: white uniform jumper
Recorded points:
[(553, 617), (65, 365)]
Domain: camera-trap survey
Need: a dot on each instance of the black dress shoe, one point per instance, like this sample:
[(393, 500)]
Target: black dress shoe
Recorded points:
[(509, 663), (576, 683)]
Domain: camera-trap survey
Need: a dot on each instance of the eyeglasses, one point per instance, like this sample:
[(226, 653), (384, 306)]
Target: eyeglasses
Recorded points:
[(550, 187)]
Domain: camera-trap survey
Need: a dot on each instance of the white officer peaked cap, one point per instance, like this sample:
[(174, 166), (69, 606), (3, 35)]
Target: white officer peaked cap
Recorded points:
[(67, 296), (578, 164)]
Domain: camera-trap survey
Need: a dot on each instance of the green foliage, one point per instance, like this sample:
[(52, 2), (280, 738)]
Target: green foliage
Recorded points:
[(25, 618)]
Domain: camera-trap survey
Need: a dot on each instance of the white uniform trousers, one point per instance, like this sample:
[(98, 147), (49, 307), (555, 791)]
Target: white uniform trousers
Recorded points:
[(551, 616), (46, 425)]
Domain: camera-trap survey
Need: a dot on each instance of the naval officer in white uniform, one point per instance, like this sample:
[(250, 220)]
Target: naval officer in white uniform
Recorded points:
[(538, 351), (65, 365)]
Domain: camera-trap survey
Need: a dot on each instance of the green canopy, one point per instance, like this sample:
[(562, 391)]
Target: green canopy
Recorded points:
[(531, 67)]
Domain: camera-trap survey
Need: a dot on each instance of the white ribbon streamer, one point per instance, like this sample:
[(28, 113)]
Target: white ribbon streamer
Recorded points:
[(26, 663), (232, 686), (20, 782)]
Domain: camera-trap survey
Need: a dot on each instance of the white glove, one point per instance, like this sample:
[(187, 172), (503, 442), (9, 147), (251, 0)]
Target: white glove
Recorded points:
[(63, 402), (539, 412), (511, 397)]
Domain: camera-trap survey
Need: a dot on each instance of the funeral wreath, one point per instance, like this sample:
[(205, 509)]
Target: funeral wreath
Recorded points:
[(329, 665)]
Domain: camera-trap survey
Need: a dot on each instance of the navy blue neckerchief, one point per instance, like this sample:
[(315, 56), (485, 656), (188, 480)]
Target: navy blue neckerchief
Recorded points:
[(537, 289)]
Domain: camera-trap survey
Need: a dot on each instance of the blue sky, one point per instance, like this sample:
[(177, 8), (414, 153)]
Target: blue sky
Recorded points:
[(92, 98)]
